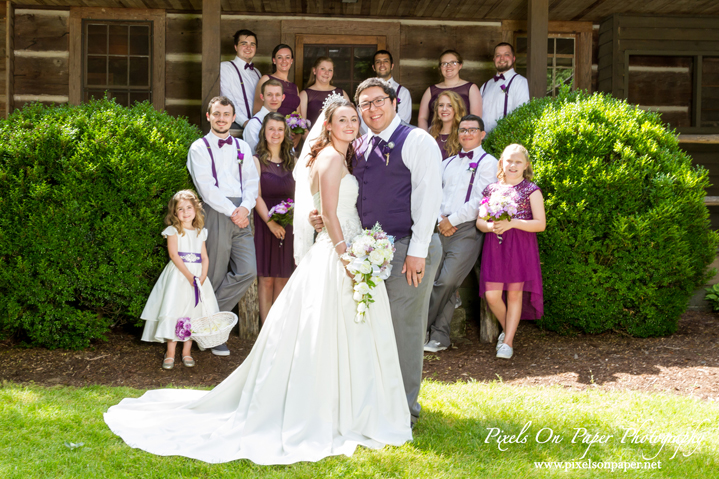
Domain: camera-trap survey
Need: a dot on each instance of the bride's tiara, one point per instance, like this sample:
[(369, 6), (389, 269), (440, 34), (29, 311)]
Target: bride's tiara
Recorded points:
[(332, 98)]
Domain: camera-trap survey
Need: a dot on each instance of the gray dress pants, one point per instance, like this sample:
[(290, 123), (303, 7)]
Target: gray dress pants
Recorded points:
[(459, 254), (409, 306), (231, 250)]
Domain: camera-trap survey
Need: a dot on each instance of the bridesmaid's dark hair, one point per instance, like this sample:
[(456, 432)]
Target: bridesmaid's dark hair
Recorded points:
[(277, 49), (324, 139), (263, 152)]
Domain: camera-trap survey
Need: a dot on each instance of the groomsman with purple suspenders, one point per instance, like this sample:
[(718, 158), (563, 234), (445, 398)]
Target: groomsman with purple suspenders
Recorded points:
[(226, 178), (464, 177), (239, 77), (507, 90), (383, 64), (397, 167), (272, 93)]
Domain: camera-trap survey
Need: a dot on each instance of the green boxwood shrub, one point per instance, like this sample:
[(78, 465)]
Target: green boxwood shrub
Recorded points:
[(84, 191), (628, 237)]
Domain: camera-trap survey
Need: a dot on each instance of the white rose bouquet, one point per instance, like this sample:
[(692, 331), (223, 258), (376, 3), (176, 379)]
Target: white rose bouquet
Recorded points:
[(369, 254)]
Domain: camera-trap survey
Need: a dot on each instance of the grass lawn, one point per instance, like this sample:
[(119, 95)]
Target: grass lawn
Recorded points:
[(450, 440)]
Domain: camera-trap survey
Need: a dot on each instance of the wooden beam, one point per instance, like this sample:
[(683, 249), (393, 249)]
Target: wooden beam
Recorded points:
[(537, 33), (211, 55), (9, 58), (583, 62)]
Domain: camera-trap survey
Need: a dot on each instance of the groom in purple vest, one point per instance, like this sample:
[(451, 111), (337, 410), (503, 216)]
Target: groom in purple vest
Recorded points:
[(398, 170)]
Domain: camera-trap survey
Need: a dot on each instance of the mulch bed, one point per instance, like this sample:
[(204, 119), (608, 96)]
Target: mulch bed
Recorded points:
[(686, 363)]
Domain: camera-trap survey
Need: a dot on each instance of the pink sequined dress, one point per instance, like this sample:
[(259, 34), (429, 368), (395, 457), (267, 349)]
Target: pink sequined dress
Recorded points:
[(514, 264)]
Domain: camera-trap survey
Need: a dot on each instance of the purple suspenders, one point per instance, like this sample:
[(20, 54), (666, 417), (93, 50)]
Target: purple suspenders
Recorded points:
[(471, 180), (399, 87), (244, 93), (240, 161), (504, 90)]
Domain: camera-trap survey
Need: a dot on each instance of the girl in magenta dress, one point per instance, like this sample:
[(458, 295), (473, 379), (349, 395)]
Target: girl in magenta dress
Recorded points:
[(318, 88), (450, 64), (273, 242), (510, 266), (282, 59)]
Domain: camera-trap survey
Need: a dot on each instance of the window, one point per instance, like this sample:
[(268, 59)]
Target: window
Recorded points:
[(561, 60), (353, 63), (117, 58)]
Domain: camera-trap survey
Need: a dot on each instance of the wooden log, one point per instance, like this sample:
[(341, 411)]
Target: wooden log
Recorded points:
[(9, 57), (41, 76), (537, 33), (210, 54), (3, 70), (43, 32), (249, 307), (488, 324)]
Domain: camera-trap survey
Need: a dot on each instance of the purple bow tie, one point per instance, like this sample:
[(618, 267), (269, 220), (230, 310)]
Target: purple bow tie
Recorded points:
[(499, 77), (226, 141), (250, 66), (468, 154)]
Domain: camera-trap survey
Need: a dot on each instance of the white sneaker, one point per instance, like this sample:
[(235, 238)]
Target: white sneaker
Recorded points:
[(500, 341), (433, 346), (505, 352)]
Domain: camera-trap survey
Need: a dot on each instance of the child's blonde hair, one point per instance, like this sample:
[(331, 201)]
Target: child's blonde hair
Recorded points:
[(171, 218), (514, 147)]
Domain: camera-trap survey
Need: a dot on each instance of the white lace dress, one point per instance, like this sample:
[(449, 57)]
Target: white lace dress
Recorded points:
[(173, 297), (315, 384)]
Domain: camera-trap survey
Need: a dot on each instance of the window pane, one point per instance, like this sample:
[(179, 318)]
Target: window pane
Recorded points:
[(139, 71), (118, 39), (710, 92), (140, 40), (97, 39), (312, 53), (363, 62), (121, 97), (96, 71), (94, 94), (139, 97), (521, 46), (550, 46), (118, 71), (565, 46), (565, 62), (343, 63)]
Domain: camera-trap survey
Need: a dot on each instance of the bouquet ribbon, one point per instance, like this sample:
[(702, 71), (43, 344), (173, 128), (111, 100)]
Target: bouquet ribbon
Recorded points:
[(197, 291)]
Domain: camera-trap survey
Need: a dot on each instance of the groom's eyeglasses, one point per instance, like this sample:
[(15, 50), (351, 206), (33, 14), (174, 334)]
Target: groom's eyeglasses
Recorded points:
[(377, 102)]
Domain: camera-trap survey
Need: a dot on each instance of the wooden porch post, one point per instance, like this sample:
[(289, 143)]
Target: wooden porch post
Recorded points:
[(537, 33), (210, 55), (9, 58)]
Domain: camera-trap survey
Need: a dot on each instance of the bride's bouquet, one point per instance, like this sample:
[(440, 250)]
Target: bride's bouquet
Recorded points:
[(369, 254), (500, 205)]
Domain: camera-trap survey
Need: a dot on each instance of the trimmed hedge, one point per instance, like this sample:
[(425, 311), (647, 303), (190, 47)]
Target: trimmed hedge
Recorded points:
[(628, 237), (84, 193)]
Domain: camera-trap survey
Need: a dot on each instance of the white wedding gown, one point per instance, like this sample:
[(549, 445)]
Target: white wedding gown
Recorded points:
[(315, 384)]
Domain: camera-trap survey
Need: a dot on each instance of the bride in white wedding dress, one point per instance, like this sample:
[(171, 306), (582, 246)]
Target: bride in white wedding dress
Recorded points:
[(316, 383)]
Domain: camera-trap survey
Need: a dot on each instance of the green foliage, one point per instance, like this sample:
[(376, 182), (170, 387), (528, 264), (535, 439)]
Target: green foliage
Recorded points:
[(713, 297), (628, 236), (84, 192)]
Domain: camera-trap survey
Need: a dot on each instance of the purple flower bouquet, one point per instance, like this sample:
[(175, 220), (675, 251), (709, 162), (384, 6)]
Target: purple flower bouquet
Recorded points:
[(282, 213), (297, 124), (183, 328), (500, 205)]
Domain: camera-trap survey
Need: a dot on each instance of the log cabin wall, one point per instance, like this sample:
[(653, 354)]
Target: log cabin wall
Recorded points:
[(3, 61)]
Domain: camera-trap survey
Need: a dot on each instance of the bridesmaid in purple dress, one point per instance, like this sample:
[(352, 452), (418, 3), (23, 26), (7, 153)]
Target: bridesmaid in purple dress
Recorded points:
[(450, 64), (510, 255), (448, 111), (319, 87), (282, 59), (273, 242)]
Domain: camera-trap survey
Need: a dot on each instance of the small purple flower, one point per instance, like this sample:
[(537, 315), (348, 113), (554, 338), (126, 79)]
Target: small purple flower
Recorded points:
[(183, 328), (472, 167)]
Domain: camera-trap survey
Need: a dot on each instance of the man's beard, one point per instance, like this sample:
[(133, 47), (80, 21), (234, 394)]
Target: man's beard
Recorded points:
[(504, 68)]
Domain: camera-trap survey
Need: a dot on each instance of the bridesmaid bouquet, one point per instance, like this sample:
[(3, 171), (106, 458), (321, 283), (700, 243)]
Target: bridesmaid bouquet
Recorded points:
[(297, 124), (369, 254), (283, 212), (500, 205)]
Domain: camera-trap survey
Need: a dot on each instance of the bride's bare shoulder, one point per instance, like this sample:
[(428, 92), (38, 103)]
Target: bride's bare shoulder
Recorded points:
[(329, 158)]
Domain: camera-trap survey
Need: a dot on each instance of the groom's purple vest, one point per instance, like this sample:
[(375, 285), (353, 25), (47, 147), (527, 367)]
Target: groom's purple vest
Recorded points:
[(385, 190)]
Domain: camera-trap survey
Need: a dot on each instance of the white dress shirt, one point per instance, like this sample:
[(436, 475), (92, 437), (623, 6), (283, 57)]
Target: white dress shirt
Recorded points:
[(199, 164), (404, 109), (493, 97), (251, 134), (455, 182), (422, 157), (231, 87)]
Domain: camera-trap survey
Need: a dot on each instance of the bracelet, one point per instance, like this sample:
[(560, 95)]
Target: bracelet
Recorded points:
[(343, 241)]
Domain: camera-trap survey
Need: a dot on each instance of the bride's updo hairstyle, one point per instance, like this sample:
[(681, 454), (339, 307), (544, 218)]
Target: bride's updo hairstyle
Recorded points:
[(325, 137)]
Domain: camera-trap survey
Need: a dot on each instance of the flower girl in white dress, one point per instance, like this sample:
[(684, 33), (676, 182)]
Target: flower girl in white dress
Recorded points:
[(175, 295)]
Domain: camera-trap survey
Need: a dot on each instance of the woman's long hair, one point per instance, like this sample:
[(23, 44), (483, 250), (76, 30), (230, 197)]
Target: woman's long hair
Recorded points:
[(313, 78), (452, 145), (325, 137), (263, 153), (277, 49)]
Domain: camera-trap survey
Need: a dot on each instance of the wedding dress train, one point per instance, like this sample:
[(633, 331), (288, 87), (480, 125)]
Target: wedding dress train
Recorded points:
[(315, 384)]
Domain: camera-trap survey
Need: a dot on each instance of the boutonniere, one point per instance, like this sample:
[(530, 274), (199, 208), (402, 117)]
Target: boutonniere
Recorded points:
[(504, 89), (240, 156), (387, 149), (472, 167)]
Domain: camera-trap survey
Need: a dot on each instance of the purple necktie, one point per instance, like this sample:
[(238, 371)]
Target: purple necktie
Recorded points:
[(226, 141), (250, 66), (499, 77), (468, 154)]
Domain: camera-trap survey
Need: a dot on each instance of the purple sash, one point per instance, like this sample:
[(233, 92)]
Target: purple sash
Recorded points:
[(190, 257), (240, 160)]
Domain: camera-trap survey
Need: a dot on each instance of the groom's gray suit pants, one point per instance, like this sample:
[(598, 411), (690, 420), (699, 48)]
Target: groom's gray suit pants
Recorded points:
[(409, 306)]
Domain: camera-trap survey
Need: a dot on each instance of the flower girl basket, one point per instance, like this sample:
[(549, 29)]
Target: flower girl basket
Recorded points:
[(212, 330)]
